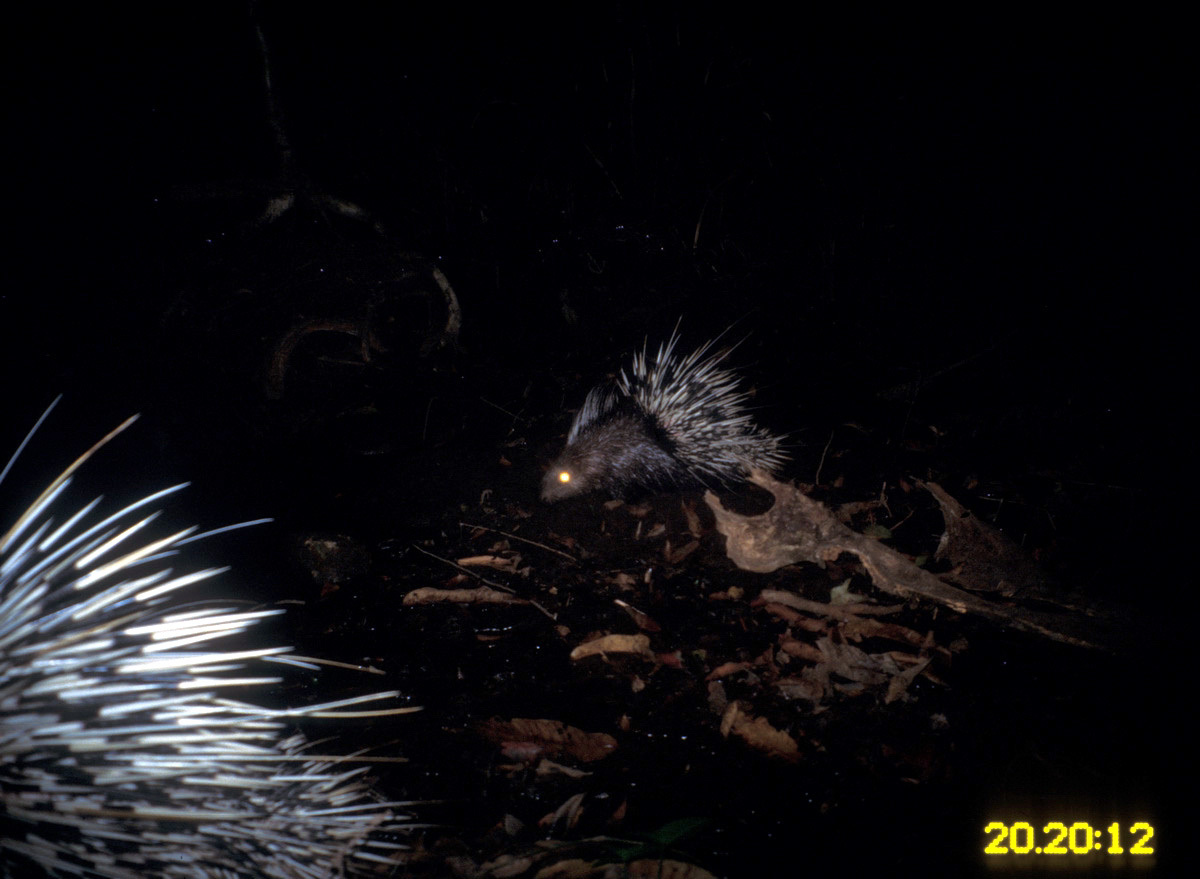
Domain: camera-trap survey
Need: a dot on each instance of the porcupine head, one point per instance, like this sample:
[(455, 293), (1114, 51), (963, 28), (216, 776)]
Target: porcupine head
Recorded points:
[(670, 422)]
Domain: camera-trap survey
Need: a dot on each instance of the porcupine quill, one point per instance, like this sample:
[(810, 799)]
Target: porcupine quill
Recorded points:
[(122, 754)]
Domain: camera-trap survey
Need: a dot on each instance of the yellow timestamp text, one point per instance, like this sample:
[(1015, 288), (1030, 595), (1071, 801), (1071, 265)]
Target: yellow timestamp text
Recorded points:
[(1057, 838)]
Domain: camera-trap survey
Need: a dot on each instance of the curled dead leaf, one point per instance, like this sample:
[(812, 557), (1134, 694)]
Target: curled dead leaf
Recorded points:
[(758, 733), (636, 644)]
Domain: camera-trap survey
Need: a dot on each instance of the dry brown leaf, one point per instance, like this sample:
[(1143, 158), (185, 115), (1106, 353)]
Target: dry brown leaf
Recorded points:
[(496, 562), (807, 687), (675, 556), (725, 669), (572, 868), (567, 815), (481, 595), (549, 767), (552, 736), (644, 621), (800, 649), (984, 558), (758, 733), (666, 869), (636, 644)]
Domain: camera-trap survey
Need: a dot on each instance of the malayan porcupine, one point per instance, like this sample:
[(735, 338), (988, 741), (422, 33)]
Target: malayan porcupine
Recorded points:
[(671, 422), (122, 753)]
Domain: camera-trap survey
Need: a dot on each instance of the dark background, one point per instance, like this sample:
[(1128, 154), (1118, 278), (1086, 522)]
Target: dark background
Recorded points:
[(981, 223), (936, 190)]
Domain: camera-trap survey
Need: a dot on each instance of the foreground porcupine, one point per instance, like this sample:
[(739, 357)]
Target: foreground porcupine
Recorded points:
[(671, 422), (122, 754)]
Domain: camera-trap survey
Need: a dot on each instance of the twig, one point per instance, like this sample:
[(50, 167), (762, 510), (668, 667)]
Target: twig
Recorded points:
[(475, 576), (522, 539)]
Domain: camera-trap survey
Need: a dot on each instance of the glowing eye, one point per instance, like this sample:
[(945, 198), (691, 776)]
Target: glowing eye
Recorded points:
[(564, 477)]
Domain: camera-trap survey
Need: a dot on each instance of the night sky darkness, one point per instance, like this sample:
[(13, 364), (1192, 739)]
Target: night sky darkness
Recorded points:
[(1008, 176), (997, 208)]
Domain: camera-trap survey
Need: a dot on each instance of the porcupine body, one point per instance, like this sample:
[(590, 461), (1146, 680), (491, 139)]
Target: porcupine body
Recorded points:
[(670, 422), (123, 753)]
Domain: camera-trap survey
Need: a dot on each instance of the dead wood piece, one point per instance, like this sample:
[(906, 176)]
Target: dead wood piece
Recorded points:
[(798, 528)]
